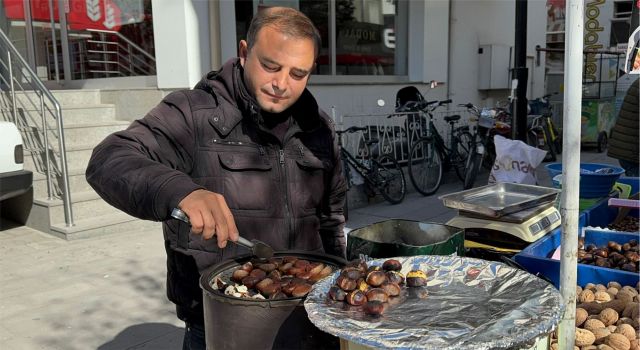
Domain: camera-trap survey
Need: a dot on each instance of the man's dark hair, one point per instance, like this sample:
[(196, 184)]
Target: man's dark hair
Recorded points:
[(285, 20)]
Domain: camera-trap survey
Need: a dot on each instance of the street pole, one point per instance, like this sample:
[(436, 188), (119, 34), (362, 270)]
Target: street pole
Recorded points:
[(520, 71), (574, 29)]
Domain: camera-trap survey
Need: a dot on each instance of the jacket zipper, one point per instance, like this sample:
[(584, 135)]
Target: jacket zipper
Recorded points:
[(287, 214)]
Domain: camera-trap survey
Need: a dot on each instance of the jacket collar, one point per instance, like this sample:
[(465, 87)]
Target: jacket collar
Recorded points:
[(228, 83)]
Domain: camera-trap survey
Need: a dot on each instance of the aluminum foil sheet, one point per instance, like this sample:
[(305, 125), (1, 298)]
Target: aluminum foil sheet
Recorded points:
[(467, 304)]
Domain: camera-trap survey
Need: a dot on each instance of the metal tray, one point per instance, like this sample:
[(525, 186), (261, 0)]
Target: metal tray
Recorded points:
[(499, 199)]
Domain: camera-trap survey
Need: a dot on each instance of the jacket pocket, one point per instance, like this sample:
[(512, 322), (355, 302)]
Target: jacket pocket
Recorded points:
[(248, 180), (310, 184)]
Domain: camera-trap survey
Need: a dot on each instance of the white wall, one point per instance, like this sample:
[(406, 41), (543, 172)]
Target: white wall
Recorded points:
[(182, 42), (475, 23)]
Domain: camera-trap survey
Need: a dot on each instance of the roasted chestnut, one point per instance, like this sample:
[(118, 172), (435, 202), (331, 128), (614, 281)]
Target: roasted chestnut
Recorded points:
[(373, 268), (296, 271), (614, 246), (351, 272), (250, 281), (363, 286), (356, 298), (376, 278), (581, 243), (301, 290), (392, 289), (347, 284), (337, 294), (262, 284), (358, 264), (289, 259), (301, 263), (260, 274), (392, 265), (604, 253), (271, 289), (395, 277), (248, 266), (633, 242), (377, 294), (267, 267), (239, 274), (626, 246), (316, 268), (285, 267), (373, 308), (416, 278), (602, 262), (590, 247), (275, 275), (326, 271), (629, 267)]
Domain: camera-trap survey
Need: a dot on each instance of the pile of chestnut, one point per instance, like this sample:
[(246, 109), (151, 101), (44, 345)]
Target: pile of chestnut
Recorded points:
[(279, 278), (613, 255), (373, 286)]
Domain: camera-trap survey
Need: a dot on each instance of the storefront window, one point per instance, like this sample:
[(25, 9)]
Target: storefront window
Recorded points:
[(365, 33)]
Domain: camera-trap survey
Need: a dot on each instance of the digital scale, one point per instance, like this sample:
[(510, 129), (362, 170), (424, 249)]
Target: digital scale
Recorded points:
[(504, 217)]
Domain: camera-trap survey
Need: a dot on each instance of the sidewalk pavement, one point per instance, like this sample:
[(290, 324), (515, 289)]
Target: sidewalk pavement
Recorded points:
[(109, 292)]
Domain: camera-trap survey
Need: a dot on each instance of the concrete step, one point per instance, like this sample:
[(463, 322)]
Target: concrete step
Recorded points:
[(77, 156), (85, 205), (64, 97), (75, 134), (70, 115), (77, 182), (102, 225)]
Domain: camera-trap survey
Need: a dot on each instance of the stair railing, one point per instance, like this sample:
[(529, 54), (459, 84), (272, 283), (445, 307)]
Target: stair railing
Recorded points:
[(14, 64)]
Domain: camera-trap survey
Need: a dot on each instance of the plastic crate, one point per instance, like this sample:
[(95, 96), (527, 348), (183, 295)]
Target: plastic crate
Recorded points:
[(536, 259), (601, 215), (592, 185)]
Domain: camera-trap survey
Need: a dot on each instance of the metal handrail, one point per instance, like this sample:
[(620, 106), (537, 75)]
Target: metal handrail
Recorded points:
[(42, 92), (125, 39)]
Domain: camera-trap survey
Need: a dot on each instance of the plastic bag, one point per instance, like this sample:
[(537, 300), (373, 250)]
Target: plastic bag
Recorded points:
[(516, 162)]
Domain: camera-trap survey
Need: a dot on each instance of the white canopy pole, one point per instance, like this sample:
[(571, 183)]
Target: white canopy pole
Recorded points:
[(569, 203)]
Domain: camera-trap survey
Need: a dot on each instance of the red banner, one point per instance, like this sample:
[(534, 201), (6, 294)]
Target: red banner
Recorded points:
[(82, 14)]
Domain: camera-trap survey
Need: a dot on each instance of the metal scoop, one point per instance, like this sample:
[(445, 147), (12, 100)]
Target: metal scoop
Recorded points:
[(257, 248)]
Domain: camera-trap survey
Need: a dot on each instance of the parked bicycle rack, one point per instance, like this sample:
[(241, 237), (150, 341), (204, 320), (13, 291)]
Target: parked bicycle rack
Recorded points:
[(391, 132)]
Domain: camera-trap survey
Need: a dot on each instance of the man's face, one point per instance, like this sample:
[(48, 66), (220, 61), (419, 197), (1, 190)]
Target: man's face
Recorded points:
[(277, 68)]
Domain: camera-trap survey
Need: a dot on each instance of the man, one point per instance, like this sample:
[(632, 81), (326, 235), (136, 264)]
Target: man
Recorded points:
[(624, 144), (247, 151)]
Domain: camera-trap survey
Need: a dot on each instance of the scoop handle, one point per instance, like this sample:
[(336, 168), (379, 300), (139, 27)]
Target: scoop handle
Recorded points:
[(182, 216)]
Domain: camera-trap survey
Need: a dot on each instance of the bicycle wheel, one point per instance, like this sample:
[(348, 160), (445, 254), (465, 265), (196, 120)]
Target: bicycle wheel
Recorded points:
[(388, 178), (425, 166), (474, 160), (465, 142)]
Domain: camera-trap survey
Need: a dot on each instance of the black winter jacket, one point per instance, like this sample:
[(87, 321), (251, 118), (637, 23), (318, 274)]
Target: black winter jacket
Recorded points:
[(289, 195)]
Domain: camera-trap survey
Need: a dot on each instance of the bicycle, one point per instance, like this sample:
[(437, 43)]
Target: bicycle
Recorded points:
[(429, 154), (382, 174), (541, 132)]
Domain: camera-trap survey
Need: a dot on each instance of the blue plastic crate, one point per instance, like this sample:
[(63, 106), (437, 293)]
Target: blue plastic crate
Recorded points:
[(601, 215), (536, 259), (592, 185)]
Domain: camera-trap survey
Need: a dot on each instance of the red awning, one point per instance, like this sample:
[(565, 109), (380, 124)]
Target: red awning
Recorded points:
[(83, 14)]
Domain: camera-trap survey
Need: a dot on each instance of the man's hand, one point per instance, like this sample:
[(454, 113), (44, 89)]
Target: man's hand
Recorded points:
[(209, 216)]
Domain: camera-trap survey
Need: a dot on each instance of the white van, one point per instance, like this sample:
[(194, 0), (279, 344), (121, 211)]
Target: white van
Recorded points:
[(16, 184)]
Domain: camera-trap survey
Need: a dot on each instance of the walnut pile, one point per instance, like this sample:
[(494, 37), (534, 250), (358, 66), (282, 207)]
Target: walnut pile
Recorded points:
[(607, 317)]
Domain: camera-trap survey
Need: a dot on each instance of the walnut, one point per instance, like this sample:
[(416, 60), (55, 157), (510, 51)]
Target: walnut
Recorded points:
[(585, 337), (601, 288), (630, 289), (608, 316), (600, 334), (614, 284), (593, 324), (604, 347), (602, 297), (625, 296), (590, 286), (613, 292), (618, 342), (581, 316), (589, 347), (624, 320), (627, 331), (587, 296), (634, 344), (612, 328)]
